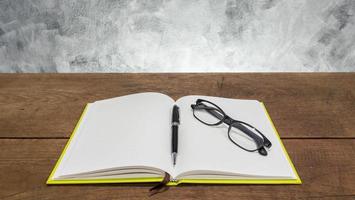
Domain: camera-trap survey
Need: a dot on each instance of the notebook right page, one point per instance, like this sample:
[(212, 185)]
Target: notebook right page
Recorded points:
[(207, 149)]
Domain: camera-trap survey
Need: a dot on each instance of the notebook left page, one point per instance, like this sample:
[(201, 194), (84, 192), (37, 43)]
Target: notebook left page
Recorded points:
[(129, 131)]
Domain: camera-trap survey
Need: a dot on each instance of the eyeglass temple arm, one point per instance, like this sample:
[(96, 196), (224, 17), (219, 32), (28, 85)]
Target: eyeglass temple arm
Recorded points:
[(266, 141), (258, 139), (212, 111)]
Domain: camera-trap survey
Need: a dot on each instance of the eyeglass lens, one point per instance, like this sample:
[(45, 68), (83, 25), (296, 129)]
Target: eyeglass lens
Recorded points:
[(244, 136)]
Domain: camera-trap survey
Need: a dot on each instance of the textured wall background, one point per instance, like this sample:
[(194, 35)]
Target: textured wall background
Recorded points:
[(176, 35)]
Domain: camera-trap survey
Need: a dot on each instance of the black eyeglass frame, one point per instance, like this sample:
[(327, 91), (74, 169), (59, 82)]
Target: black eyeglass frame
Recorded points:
[(218, 112)]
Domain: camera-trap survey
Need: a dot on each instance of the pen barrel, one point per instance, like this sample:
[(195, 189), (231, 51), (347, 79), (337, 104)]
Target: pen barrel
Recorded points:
[(174, 139)]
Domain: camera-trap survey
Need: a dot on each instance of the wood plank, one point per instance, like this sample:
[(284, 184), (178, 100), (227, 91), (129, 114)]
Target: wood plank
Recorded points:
[(326, 167), (301, 104)]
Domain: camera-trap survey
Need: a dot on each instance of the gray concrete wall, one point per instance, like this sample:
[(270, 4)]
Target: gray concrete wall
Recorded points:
[(176, 35)]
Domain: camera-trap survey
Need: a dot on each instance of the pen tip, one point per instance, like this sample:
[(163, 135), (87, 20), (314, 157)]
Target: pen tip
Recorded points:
[(174, 159)]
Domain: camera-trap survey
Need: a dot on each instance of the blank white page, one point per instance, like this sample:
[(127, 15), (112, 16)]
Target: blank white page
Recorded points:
[(203, 147), (132, 130)]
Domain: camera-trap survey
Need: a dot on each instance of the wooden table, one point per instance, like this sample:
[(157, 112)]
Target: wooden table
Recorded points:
[(313, 112)]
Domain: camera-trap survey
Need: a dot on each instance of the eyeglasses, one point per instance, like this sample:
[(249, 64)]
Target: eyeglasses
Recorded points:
[(242, 134)]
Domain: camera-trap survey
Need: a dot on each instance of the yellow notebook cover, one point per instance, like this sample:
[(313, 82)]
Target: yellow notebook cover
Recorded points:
[(50, 180)]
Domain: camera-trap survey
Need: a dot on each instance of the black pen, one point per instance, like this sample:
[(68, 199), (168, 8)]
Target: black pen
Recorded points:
[(174, 128)]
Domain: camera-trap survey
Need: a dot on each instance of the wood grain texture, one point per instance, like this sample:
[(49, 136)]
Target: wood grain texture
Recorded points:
[(39, 111), (327, 169), (302, 105)]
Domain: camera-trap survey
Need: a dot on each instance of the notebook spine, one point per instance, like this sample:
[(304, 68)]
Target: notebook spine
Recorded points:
[(174, 180)]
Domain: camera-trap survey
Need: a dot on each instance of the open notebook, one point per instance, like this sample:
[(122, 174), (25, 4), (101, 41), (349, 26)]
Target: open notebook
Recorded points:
[(128, 139)]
